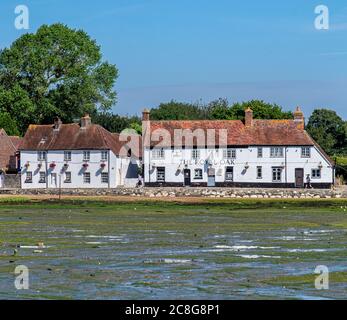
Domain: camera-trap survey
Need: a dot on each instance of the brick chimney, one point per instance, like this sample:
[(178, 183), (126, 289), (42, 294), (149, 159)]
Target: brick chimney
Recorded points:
[(249, 117), (299, 118), (86, 121), (57, 123), (146, 115), (146, 128)]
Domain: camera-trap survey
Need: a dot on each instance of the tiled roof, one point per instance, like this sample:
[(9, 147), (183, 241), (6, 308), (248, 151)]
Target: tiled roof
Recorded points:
[(8, 149), (70, 137), (263, 132), (16, 141)]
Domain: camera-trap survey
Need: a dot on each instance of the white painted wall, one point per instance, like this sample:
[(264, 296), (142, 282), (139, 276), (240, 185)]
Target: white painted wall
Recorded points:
[(115, 166), (294, 160)]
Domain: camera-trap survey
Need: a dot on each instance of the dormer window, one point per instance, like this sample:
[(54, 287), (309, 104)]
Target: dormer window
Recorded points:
[(158, 154), (229, 154), (306, 152), (67, 156), (43, 140), (276, 152), (195, 154), (104, 155), (41, 156), (86, 156)]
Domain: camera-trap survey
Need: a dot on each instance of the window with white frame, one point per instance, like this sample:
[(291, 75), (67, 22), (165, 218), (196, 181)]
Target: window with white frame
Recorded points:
[(104, 155), (86, 155), (259, 172), (158, 153), (29, 177), (161, 174), (86, 177), (277, 174), (195, 154), (316, 173), (41, 156), (198, 174), (67, 177), (276, 152), (260, 152), (229, 154), (306, 152), (104, 177), (229, 174), (67, 155), (42, 178)]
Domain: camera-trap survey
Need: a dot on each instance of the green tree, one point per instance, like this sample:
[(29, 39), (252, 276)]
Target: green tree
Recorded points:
[(57, 71), (16, 103), (261, 110), (329, 130), (8, 124), (220, 110), (115, 123), (136, 126), (174, 110)]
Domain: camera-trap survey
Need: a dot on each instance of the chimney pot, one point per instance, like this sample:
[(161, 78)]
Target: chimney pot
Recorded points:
[(249, 117), (86, 121), (57, 123), (146, 115), (299, 118)]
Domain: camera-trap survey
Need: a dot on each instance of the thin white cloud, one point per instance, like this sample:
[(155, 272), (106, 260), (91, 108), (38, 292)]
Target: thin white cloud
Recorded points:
[(336, 53)]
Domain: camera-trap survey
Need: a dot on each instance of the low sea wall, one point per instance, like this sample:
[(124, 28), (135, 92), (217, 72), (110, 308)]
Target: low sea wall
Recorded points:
[(236, 193)]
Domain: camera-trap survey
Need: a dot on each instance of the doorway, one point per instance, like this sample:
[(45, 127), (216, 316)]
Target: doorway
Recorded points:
[(54, 181), (187, 178), (211, 173), (299, 178)]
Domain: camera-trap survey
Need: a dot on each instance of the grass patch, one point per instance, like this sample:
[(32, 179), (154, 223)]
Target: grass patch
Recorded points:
[(160, 205)]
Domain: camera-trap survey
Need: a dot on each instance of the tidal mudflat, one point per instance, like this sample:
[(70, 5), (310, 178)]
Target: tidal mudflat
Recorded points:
[(89, 250)]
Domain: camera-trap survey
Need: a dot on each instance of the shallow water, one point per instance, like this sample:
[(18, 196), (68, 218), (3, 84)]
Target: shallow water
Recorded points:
[(117, 252)]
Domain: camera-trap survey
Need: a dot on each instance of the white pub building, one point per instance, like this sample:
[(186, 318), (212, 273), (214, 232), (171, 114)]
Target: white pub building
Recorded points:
[(232, 153), (76, 156)]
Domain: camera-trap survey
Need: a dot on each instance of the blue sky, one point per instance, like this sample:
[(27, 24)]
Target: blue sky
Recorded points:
[(200, 50)]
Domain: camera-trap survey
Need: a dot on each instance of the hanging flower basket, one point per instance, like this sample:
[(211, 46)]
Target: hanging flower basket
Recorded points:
[(27, 165), (103, 165), (52, 165), (66, 165), (39, 165), (85, 165)]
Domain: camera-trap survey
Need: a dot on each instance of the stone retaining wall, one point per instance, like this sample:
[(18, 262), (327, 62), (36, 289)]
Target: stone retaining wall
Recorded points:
[(12, 181), (191, 192)]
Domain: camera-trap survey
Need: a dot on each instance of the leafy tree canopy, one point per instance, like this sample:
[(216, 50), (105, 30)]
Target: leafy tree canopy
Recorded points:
[(174, 110), (261, 110), (116, 123), (218, 110), (329, 130), (8, 124), (57, 71)]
